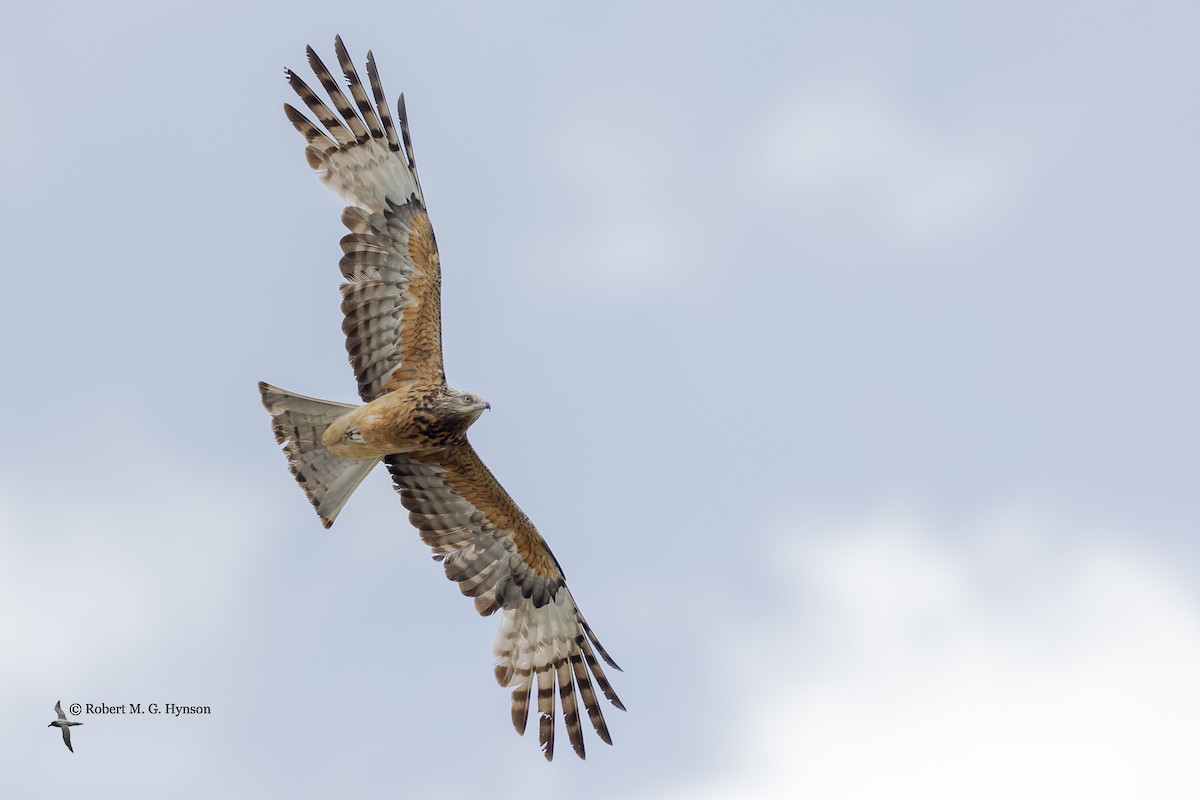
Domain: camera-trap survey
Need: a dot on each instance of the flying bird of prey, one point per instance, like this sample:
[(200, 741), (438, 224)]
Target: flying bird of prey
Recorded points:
[(414, 422), (64, 725)]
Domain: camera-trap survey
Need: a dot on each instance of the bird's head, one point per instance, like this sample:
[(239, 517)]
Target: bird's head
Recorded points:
[(447, 413), (467, 405)]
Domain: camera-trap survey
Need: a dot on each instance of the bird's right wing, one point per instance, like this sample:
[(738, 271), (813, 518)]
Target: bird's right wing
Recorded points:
[(496, 555), (58, 710), (392, 296)]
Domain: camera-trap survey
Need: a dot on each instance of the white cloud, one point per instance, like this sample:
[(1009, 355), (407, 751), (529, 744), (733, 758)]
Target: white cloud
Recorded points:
[(1005, 667), (918, 180), (111, 585)]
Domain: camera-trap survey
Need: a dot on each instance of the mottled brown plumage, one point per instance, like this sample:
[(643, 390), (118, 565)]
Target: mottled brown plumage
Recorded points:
[(416, 423)]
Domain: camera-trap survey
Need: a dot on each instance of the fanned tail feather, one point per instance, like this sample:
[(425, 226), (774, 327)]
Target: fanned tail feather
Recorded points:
[(299, 422)]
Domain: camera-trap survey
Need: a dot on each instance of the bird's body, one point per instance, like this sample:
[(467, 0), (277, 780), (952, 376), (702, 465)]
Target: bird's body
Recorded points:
[(413, 418), (64, 725), (414, 422)]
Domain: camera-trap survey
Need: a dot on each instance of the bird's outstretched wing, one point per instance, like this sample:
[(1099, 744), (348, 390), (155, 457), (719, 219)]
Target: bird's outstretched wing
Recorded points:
[(67, 738), (58, 710), (496, 555), (392, 295)]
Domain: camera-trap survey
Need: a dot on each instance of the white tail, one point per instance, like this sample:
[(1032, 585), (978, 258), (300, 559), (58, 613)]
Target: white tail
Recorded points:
[(299, 422)]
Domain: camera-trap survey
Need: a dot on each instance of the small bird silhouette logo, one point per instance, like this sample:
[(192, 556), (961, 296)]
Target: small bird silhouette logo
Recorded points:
[(62, 722)]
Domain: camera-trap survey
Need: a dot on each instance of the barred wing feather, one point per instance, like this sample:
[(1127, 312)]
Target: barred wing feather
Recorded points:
[(392, 296), (495, 554)]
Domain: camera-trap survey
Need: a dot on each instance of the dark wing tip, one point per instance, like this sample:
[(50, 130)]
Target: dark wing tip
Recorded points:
[(405, 133)]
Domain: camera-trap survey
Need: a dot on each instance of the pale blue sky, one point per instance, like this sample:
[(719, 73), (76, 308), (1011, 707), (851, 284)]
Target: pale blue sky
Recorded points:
[(846, 357)]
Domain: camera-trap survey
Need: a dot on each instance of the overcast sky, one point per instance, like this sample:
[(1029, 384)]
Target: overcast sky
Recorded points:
[(845, 355)]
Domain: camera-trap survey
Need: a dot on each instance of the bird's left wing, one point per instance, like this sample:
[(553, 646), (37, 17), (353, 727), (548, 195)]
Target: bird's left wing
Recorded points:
[(496, 555), (392, 296), (58, 710)]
